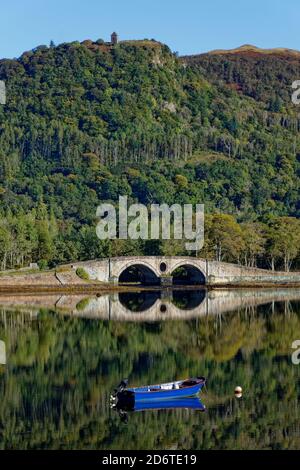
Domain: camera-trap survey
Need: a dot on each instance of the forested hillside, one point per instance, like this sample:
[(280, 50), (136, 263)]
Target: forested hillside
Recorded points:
[(87, 122)]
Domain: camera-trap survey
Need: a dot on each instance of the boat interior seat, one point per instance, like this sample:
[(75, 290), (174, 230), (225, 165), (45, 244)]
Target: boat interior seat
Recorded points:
[(189, 383)]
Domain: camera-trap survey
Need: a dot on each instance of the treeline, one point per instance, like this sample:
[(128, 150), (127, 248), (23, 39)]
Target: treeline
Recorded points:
[(273, 245), (37, 237), (63, 147)]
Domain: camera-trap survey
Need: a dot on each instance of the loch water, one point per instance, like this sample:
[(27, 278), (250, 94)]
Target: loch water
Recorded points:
[(61, 357)]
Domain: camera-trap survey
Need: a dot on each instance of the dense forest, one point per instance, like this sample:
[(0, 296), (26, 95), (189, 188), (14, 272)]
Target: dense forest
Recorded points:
[(87, 122), (61, 370)]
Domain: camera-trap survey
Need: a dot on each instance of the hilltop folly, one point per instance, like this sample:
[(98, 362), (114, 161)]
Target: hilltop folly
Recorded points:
[(114, 39)]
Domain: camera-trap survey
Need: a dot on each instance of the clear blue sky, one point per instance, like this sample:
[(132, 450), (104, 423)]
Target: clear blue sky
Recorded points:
[(189, 26)]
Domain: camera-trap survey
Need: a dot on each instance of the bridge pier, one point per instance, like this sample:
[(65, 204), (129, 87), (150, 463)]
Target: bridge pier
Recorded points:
[(211, 280), (166, 281), (113, 280)]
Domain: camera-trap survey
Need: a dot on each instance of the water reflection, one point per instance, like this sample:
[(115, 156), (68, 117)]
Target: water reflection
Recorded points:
[(138, 301), (188, 299), (192, 403), (153, 305), (144, 301), (64, 355), (2, 353)]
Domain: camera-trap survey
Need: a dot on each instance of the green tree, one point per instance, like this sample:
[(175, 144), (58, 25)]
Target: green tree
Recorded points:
[(254, 242), (226, 238), (5, 245), (45, 241), (283, 241)]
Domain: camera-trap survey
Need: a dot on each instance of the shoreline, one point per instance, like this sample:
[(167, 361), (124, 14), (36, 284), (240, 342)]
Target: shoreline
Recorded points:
[(104, 275), (107, 288)]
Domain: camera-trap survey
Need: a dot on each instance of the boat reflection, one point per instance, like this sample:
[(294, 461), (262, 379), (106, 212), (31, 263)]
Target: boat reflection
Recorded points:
[(192, 403)]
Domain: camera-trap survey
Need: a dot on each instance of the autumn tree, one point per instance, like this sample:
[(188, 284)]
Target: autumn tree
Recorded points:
[(254, 242), (283, 243), (225, 238)]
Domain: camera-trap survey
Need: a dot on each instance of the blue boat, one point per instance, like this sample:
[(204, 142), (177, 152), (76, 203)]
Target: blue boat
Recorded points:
[(166, 391)]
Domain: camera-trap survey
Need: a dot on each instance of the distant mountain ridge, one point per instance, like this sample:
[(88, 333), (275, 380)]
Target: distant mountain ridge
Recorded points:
[(251, 50)]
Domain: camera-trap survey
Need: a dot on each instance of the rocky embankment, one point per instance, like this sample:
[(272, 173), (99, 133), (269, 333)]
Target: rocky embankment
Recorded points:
[(49, 280)]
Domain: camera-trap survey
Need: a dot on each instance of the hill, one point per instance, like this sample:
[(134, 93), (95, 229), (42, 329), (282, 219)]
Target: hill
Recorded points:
[(251, 50), (264, 74), (87, 122)]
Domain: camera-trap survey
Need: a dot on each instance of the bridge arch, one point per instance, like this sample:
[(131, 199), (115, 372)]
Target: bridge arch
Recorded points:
[(138, 272), (187, 273)]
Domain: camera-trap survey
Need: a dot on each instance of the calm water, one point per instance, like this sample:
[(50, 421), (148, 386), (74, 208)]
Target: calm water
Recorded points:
[(62, 356)]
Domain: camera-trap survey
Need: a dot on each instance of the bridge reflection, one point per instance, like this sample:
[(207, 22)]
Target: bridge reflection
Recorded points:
[(2, 353), (156, 305), (143, 301)]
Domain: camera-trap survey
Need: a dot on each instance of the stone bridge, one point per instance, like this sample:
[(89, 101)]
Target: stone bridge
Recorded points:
[(163, 270)]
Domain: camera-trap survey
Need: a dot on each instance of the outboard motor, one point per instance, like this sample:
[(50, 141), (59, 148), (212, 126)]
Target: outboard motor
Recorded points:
[(122, 385), (120, 388), (122, 398)]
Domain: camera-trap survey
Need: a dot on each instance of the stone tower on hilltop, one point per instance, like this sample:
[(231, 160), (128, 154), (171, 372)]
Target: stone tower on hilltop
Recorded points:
[(114, 39)]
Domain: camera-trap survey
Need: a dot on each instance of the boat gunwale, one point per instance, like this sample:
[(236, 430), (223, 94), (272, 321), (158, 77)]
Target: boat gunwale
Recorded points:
[(142, 389)]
